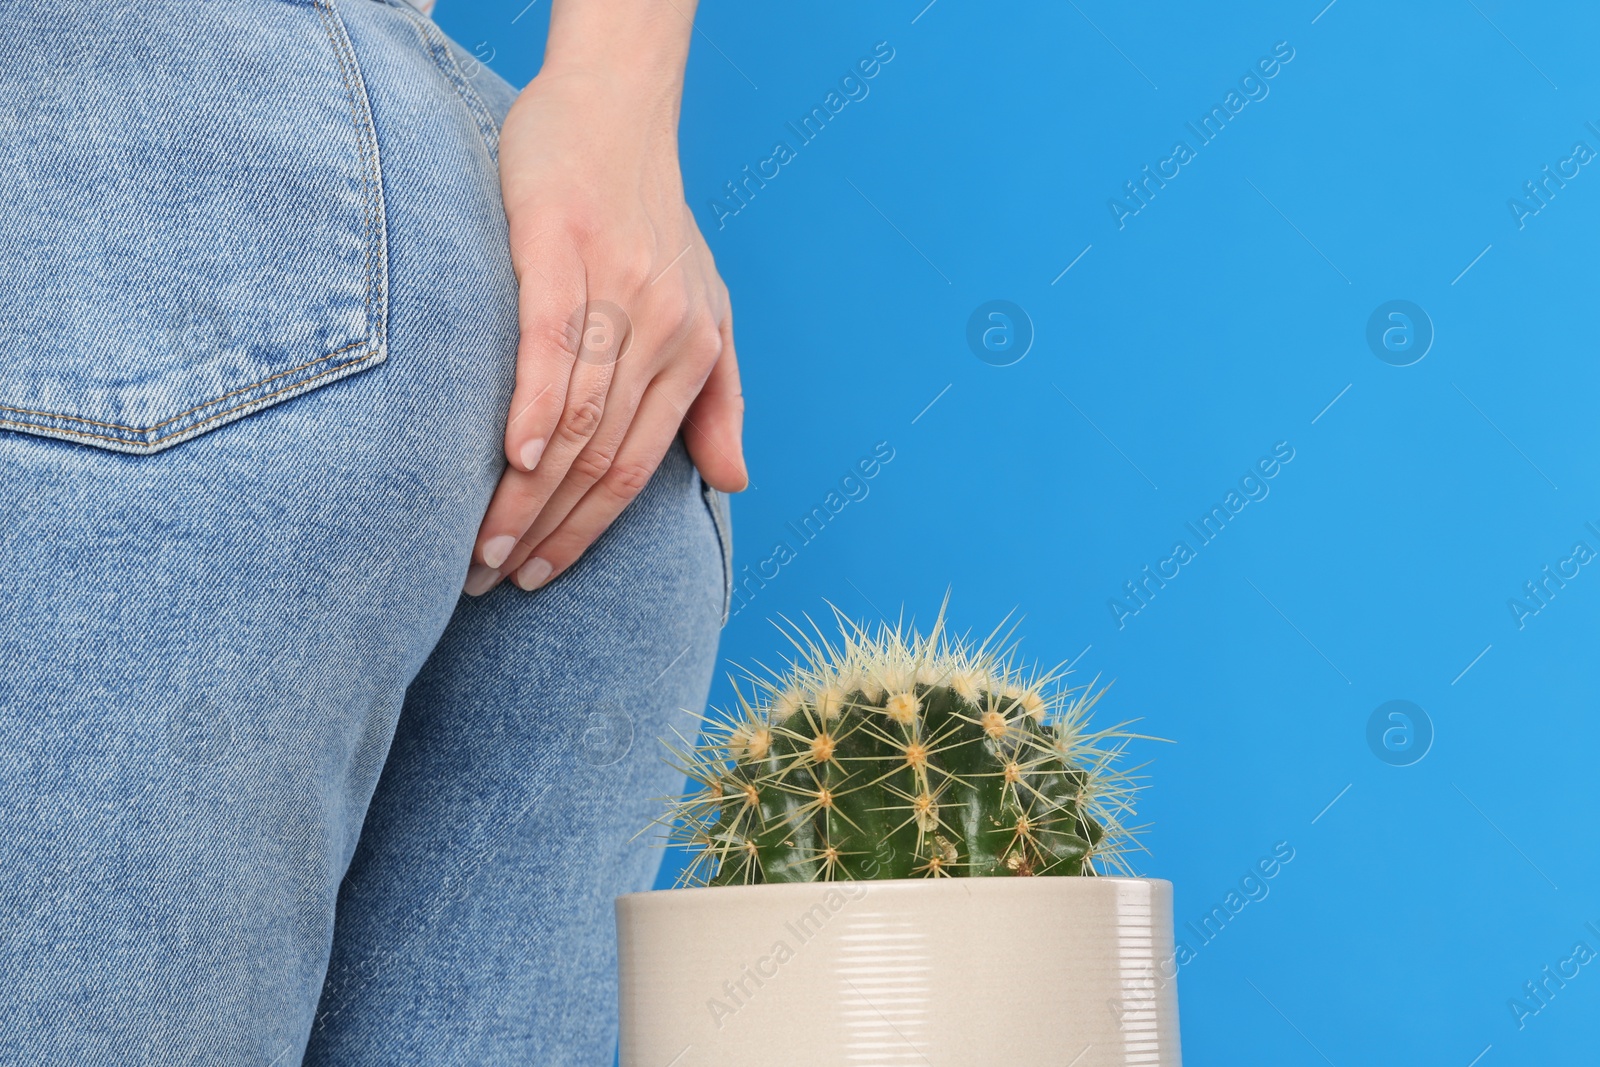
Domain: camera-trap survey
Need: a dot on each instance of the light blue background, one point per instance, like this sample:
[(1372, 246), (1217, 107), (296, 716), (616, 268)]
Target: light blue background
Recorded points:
[(1224, 318)]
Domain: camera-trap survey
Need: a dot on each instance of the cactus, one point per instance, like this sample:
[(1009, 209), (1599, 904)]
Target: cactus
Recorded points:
[(895, 755)]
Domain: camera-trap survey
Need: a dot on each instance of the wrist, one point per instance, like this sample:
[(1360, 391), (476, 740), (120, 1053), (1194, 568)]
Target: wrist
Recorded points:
[(601, 110), (635, 50)]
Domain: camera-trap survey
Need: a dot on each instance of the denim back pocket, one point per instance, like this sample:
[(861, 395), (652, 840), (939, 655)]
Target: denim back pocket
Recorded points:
[(191, 215)]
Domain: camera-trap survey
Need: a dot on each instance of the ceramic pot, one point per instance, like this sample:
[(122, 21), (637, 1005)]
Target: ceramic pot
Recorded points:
[(956, 972)]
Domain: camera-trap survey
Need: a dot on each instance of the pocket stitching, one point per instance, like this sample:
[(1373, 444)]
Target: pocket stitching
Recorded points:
[(192, 427), (366, 146), (372, 233), (191, 411)]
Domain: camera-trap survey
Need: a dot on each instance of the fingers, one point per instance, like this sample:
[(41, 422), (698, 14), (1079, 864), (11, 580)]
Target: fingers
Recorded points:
[(551, 298), (522, 495), (559, 492), (565, 363), (588, 430), (587, 427), (647, 441), (713, 429), (688, 354)]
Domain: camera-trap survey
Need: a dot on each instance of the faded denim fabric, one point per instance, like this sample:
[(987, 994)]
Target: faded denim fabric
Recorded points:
[(256, 349)]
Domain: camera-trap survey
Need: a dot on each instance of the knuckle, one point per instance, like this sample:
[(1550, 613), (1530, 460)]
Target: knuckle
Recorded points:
[(557, 336), (705, 337), (583, 228), (681, 314), (628, 479), (591, 465), (581, 419), (669, 307)]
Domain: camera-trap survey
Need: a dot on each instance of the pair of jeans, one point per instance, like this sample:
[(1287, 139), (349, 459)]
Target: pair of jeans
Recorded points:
[(272, 790)]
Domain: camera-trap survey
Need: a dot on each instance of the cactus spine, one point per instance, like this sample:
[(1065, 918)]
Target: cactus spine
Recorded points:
[(897, 755)]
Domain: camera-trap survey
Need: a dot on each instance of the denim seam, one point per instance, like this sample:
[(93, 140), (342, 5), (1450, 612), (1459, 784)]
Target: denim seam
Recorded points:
[(374, 277), (445, 60), (716, 503), (191, 411)]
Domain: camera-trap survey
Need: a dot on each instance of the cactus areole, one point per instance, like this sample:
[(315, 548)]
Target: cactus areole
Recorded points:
[(889, 754)]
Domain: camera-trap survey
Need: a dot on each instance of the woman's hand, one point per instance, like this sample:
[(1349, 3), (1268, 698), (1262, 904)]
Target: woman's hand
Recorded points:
[(626, 333)]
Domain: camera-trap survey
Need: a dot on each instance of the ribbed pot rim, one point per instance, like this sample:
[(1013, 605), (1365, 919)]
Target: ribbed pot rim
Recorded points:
[(776, 890)]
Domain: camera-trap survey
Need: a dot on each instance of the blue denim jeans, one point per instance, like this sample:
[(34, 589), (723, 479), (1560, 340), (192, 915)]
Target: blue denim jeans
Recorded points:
[(271, 790)]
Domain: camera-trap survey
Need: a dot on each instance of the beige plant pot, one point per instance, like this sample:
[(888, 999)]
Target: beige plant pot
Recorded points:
[(959, 972)]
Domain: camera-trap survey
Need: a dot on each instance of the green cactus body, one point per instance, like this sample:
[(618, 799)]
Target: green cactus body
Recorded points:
[(900, 756)]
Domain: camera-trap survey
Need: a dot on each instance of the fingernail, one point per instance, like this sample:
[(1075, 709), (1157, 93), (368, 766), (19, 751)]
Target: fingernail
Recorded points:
[(480, 579), (531, 452), (496, 549), (533, 573)]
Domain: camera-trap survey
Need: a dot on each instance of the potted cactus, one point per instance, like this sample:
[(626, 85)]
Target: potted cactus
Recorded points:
[(903, 849)]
